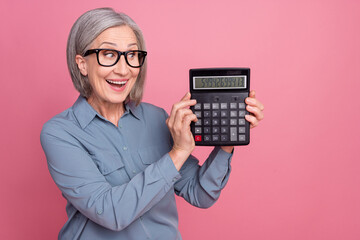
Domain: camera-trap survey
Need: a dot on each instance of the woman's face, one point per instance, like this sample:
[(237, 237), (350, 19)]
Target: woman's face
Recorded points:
[(111, 84)]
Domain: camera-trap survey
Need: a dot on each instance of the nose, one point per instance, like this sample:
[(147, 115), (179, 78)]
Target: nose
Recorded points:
[(121, 67)]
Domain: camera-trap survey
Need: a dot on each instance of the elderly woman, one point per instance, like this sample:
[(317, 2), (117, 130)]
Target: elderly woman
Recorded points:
[(117, 161)]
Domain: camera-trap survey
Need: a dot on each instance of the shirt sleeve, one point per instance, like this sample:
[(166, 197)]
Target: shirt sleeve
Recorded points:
[(81, 183), (201, 185)]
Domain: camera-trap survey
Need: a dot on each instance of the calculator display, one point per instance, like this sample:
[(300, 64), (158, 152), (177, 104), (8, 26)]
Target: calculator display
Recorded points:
[(219, 82)]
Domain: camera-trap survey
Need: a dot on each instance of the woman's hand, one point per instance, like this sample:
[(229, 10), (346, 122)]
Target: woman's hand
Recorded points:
[(255, 108), (179, 125)]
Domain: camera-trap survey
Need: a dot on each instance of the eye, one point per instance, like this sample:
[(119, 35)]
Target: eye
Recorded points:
[(108, 53), (131, 55)]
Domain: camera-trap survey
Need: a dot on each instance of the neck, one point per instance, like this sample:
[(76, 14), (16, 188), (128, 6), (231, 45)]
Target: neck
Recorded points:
[(110, 111)]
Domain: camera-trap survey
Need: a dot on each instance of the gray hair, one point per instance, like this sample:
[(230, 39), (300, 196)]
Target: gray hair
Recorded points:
[(84, 31)]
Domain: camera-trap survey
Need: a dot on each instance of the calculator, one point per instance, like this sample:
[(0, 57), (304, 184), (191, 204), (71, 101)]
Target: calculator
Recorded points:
[(220, 94)]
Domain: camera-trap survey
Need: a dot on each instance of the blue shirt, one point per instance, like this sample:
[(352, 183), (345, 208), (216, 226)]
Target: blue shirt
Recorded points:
[(119, 182)]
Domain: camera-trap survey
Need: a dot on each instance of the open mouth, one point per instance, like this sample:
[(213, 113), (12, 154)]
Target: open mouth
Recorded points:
[(117, 84)]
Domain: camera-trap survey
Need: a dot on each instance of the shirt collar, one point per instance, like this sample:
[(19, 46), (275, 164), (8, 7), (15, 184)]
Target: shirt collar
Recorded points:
[(85, 113)]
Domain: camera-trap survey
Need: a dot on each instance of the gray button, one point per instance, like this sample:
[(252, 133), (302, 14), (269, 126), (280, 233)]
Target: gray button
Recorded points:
[(207, 138), (242, 113), (206, 105), (233, 121), (198, 130), (225, 121), (216, 138), (224, 129), (206, 113), (223, 105), (242, 138), (224, 138), (100, 211), (197, 106), (198, 123), (233, 105), (233, 134), (125, 148), (215, 130), (206, 122), (215, 113), (206, 130), (198, 114), (242, 105), (215, 122), (241, 129), (242, 121), (224, 113), (215, 106), (233, 113)]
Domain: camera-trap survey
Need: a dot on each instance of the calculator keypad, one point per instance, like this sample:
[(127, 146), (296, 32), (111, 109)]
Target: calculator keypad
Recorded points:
[(220, 122)]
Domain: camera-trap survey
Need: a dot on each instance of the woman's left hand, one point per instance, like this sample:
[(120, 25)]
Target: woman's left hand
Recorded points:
[(255, 108)]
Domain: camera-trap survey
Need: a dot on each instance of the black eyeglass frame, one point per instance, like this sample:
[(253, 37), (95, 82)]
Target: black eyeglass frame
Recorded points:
[(97, 50)]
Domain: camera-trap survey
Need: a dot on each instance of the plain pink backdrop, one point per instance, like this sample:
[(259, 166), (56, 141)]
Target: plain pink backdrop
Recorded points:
[(297, 180)]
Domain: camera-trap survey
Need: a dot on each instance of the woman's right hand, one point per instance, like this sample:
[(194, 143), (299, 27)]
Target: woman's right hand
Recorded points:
[(179, 125)]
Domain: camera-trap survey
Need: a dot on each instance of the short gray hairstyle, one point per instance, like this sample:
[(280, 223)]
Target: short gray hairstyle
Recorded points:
[(84, 31)]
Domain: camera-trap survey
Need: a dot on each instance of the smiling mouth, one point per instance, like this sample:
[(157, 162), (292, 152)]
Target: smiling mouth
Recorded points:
[(116, 83)]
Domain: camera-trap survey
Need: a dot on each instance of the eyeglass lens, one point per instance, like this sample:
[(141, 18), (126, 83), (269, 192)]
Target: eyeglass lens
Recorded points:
[(110, 57)]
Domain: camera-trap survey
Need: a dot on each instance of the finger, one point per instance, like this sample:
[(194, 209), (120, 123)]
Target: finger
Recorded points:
[(254, 102), (187, 96), (252, 94), (180, 105), (252, 120), (180, 117), (255, 111)]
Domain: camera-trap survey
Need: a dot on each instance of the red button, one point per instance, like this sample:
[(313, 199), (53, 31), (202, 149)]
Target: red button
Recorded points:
[(198, 138)]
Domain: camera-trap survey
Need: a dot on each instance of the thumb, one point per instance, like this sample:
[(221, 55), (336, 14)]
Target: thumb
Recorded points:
[(186, 97), (252, 94)]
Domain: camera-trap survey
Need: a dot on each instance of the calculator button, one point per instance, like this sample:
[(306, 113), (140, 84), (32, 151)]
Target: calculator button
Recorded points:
[(215, 113), (216, 138), (198, 123), (198, 138), (242, 137), (206, 113), (224, 113), (215, 106), (206, 130), (241, 105), (223, 105), (224, 122), (241, 121), (224, 138), (215, 122), (206, 122), (198, 114), (197, 106), (233, 105), (241, 129), (233, 121), (224, 129), (215, 130), (207, 106), (242, 113), (207, 138), (233, 113), (198, 130), (233, 134)]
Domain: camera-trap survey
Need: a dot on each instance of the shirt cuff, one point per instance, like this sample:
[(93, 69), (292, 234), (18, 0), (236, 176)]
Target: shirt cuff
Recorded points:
[(168, 169)]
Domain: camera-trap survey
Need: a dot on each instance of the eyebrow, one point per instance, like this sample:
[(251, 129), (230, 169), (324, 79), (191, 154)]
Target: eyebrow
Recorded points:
[(115, 45)]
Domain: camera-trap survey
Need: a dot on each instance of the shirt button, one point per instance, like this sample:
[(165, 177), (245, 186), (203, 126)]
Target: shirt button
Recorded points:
[(100, 211), (134, 171), (125, 148)]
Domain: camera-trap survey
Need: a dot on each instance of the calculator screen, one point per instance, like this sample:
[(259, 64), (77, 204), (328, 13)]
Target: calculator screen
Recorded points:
[(219, 82)]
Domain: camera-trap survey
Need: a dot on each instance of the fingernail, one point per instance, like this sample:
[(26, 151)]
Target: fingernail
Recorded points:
[(250, 100)]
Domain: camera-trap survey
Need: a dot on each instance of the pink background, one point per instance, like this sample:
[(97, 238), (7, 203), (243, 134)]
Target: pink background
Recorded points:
[(297, 180)]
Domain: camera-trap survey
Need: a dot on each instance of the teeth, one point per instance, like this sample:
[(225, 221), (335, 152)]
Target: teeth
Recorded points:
[(116, 82)]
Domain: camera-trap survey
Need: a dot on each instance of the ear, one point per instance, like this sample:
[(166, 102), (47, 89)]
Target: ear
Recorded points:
[(81, 63)]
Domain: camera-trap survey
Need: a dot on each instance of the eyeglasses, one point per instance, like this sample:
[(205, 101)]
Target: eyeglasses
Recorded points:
[(109, 57)]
